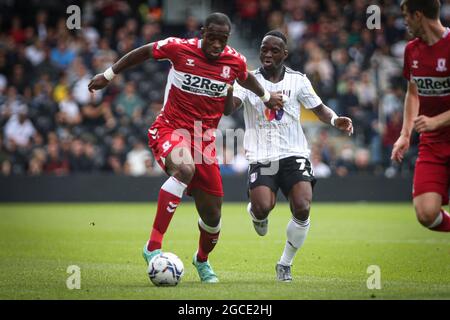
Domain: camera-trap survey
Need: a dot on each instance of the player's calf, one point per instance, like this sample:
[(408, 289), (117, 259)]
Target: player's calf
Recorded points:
[(208, 239), (209, 209), (168, 200), (209, 236)]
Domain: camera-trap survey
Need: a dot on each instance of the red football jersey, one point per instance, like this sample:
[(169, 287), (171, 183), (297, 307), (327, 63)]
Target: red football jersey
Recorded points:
[(429, 67), (196, 87)]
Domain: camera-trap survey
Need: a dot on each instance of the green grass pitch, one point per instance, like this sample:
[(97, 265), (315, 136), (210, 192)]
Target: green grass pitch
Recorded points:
[(39, 242)]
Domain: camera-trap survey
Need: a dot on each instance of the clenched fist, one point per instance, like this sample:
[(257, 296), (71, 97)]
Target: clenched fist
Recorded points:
[(97, 82)]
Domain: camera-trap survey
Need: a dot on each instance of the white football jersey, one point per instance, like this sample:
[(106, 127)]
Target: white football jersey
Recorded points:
[(270, 135)]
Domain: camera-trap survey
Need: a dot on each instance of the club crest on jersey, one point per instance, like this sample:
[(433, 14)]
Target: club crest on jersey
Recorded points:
[(415, 64), (273, 114), (190, 62), (225, 72), (441, 65)]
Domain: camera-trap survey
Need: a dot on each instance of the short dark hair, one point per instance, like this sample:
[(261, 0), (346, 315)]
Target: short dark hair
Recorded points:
[(278, 34), (429, 8), (218, 18)]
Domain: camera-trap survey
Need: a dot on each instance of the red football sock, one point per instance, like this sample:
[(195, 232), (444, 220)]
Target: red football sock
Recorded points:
[(444, 226), (207, 242), (168, 199)]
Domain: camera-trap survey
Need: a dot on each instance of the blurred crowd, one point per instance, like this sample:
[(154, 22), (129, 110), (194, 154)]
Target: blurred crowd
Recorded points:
[(51, 124), (357, 71)]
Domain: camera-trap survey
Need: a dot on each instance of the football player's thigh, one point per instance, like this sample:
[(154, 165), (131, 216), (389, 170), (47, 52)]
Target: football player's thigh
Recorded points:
[(263, 199), (180, 160), (297, 182), (300, 195), (263, 188), (297, 179), (431, 174), (170, 149)]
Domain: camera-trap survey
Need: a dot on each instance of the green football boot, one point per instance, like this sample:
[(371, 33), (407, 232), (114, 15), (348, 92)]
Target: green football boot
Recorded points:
[(148, 255), (205, 272)]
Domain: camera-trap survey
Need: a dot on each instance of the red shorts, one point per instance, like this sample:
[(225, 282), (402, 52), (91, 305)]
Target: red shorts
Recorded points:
[(432, 172), (163, 139)]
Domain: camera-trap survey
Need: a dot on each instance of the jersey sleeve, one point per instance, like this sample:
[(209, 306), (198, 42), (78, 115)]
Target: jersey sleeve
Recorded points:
[(166, 49), (306, 94), (243, 73), (406, 64)]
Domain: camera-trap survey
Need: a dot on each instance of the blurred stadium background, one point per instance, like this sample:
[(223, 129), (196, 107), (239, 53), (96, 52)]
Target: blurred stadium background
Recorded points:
[(45, 68)]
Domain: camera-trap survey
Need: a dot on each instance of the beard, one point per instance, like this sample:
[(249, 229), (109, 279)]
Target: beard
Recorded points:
[(414, 32)]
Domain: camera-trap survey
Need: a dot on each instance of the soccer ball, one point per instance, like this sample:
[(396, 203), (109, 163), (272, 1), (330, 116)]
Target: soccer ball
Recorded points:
[(165, 269)]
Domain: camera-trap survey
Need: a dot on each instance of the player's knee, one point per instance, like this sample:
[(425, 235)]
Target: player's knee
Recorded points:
[(426, 215), (213, 222), (211, 216), (185, 172), (301, 208), (261, 210), (210, 213)]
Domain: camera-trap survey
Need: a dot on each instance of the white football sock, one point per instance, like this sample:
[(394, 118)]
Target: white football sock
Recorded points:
[(296, 234), (209, 229), (174, 186)]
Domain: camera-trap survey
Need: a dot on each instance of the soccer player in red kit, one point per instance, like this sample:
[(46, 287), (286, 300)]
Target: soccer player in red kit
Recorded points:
[(427, 110), (182, 136)]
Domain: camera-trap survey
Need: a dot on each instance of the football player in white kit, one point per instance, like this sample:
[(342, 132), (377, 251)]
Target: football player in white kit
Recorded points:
[(276, 147)]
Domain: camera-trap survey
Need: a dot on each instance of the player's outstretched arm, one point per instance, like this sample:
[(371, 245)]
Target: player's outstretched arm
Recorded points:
[(131, 59), (327, 115), (411, 109), (272, 100), (231, 103)]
